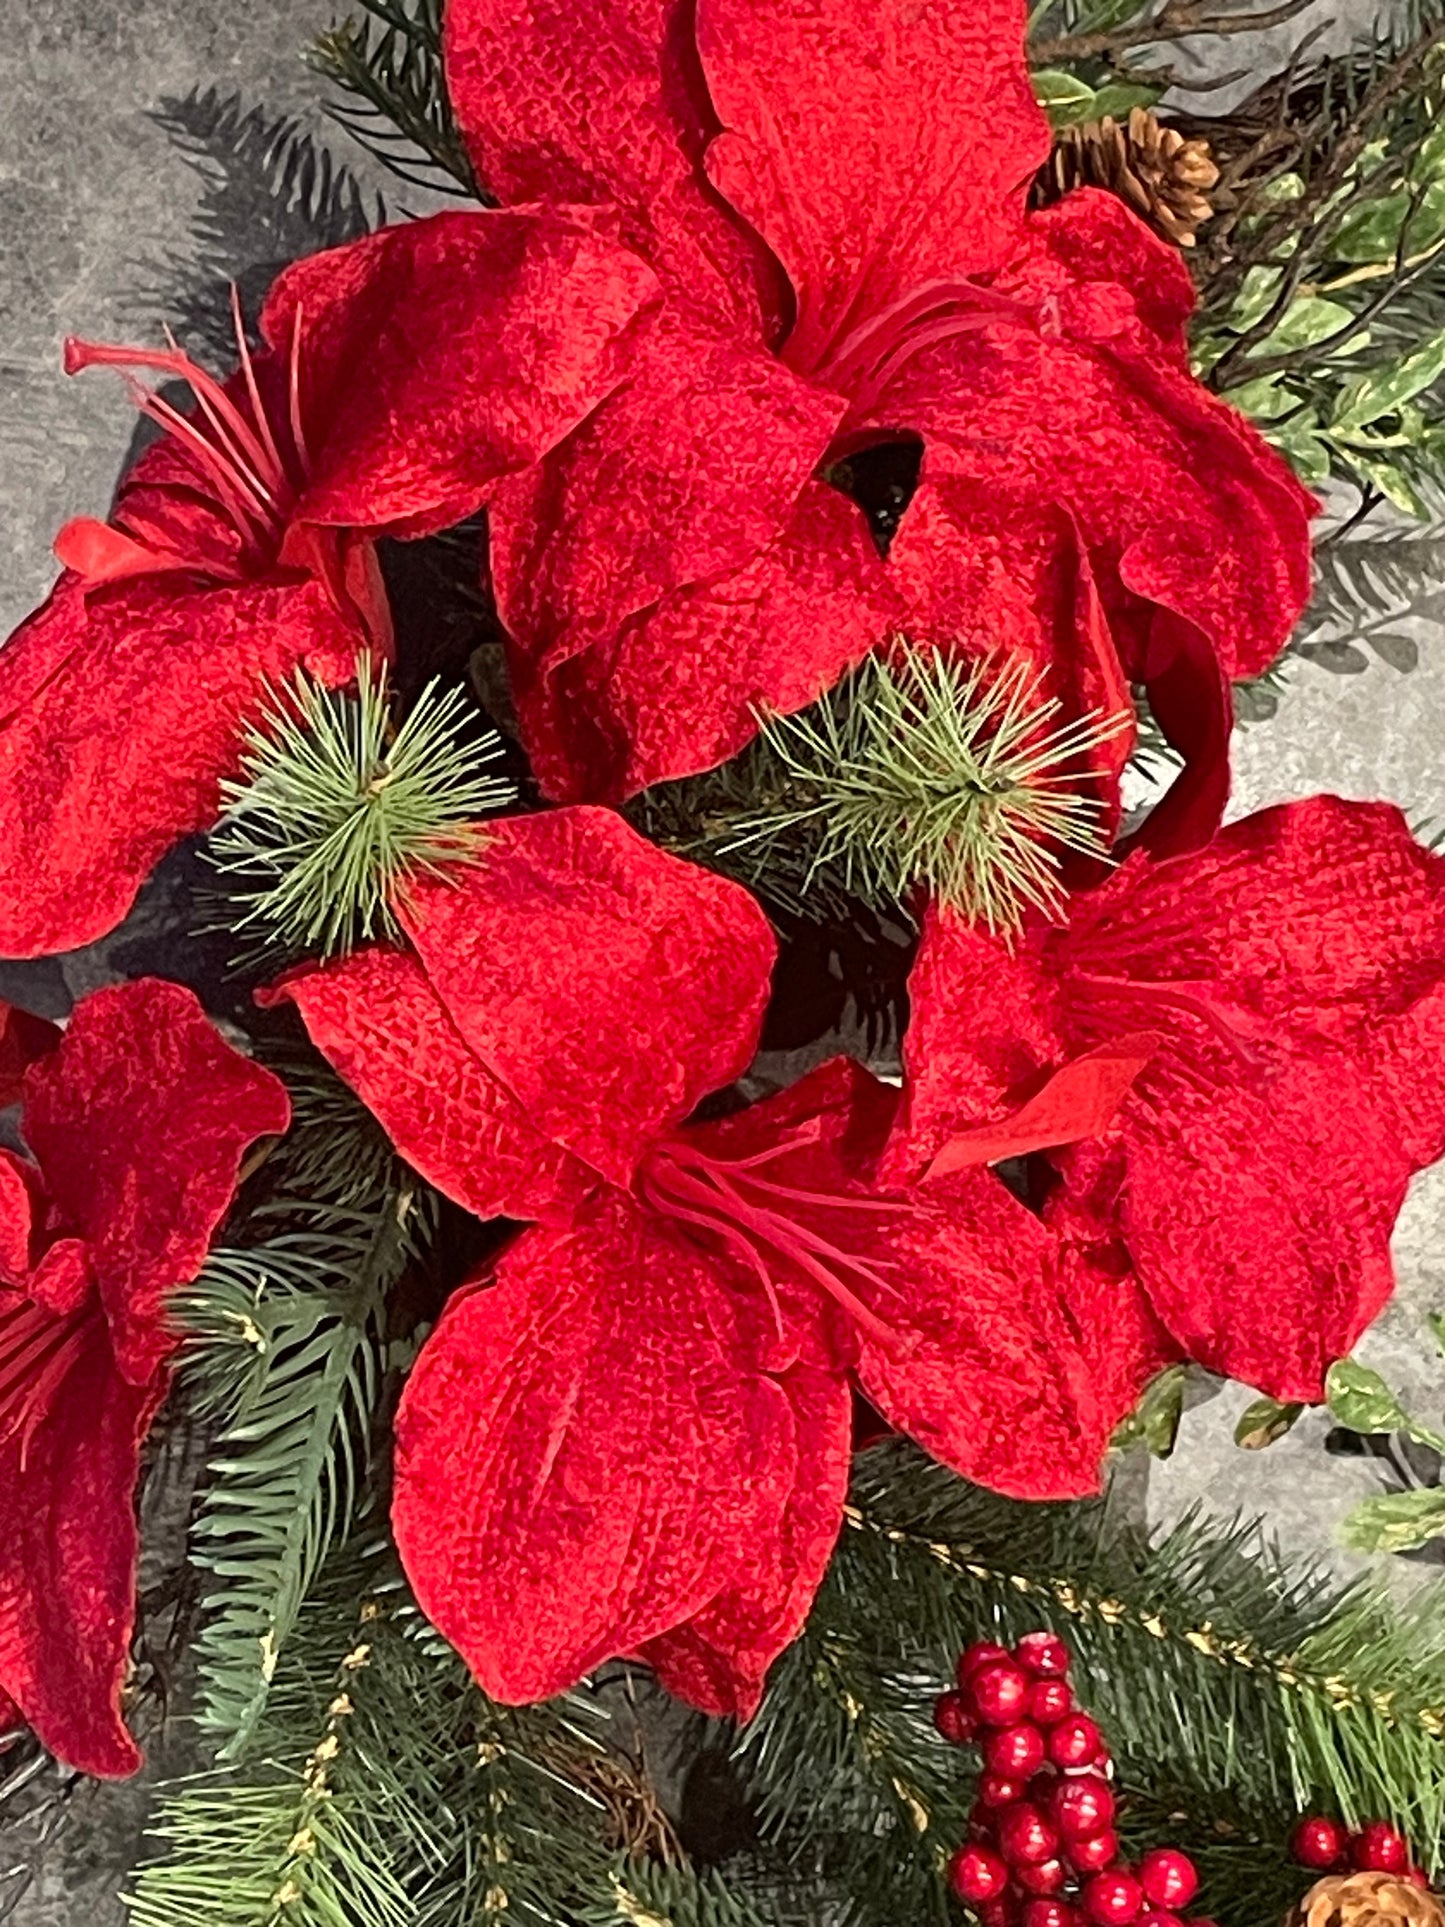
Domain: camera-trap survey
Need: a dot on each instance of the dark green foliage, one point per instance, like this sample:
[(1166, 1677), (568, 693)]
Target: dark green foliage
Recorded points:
[(388, 58)]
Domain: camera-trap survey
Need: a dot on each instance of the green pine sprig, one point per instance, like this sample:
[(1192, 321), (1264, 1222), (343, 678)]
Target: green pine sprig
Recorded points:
[(918, 771), (288, 1354), (337, 805), (388, 59)]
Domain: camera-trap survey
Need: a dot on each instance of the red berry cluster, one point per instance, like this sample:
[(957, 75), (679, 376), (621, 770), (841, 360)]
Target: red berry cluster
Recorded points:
[(1043, 1851), (1328, 1846)]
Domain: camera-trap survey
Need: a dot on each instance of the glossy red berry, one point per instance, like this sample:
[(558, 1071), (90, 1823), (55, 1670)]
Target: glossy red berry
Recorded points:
[(999, 1912), (1050, 1701), (998, 1790), (976, 1873), (1000, 1693), (1154, 1917), (1016, 1751), (1042, 1876), (1075, 1741), (1113, 1899), (1093, 1855), (1024, 1835), (1320, 1843), (1377, 1848), (1169, 1878), (955, 1718), (982, 1653), (1049, 1913), (1418, 1877), (1083, 1807), (1043, 1654)]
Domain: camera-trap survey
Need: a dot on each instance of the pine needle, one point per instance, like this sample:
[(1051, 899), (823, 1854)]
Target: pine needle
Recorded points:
[(337, 806), (924, 770)]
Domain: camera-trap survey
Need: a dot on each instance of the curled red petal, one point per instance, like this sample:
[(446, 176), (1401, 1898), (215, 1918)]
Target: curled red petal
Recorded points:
[(138, 1122), (853, 142), (68, 1557), (86, 809), (19, 1196), (719, 1659), (486, 337), (680, 687), (515, 78), (608, 986), (586, 1453), (378, 1020)]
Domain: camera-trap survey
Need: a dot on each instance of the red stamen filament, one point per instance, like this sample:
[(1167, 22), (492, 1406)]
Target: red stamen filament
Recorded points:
[(37, 1349), (867, 358), (1195, 1000), (681, 1181), (235, 445)]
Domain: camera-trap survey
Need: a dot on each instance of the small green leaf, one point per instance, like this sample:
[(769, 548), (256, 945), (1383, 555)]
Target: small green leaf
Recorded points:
[(1262, 1422), (1395, 1522), (1255, 297), (1396, 487), (1372, 232), (1263, 399), (1360, 1399), (1307, 321), (1121, 97), (1154, 1422), (1299, 442), (1385, 390), (1065, 98)]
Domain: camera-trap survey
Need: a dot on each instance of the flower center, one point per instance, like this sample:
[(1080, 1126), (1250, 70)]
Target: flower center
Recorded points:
[(37, 1349), (758, 1219), (256, 466), (862, 359)]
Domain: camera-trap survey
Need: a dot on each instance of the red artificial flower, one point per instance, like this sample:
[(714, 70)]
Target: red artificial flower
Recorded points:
[(136, 1123), (847, 260), (632, 1434), (1294, 972), (400, 377)]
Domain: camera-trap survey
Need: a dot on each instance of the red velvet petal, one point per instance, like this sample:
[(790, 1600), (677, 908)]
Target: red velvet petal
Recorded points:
[(719, 1659), (608, 986), (585, 1454), (87, 809), (1177, 496), (612, 110), (983, 1029), (985, 571), (68, 1557), (1080, 1100), (856, 145), (378, 1020), (1014, 1354), (679, 688), (485, 337), (18, 1199), (682, 476), (1259, 1216), (139, 1122)]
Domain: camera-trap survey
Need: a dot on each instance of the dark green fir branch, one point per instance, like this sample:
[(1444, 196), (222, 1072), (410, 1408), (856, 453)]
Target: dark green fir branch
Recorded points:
[(387, 59)]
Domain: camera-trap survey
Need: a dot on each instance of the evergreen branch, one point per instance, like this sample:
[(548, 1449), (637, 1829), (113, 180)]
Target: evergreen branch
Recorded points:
[(337, 806), (385, 1790), (641, 1894), (918, 770), (389, 60), (289, 1346)]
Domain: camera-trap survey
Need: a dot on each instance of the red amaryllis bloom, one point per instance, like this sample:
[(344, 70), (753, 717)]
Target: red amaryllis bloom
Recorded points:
[(136, 1124), (632, 1435), (1294, 973), (400, 377), (847, 260)]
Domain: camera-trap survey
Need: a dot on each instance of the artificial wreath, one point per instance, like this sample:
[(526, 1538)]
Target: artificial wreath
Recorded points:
[(751, 1059)]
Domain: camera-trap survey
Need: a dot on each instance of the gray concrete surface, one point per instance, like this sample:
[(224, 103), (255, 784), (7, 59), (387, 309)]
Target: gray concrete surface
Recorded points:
[(126, 200)]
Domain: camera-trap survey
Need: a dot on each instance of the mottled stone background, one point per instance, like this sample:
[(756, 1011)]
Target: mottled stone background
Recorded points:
[(147, 155)]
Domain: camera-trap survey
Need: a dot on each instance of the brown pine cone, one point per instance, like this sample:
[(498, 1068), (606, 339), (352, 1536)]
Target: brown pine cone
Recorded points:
[(1367, 1900), (1153, 168)]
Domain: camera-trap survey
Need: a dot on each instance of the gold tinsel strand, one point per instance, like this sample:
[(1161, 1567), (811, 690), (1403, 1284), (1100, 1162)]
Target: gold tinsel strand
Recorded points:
[(1163, 176)]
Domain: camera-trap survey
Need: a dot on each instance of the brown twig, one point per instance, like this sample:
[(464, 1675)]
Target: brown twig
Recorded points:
[(1178, 20)]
